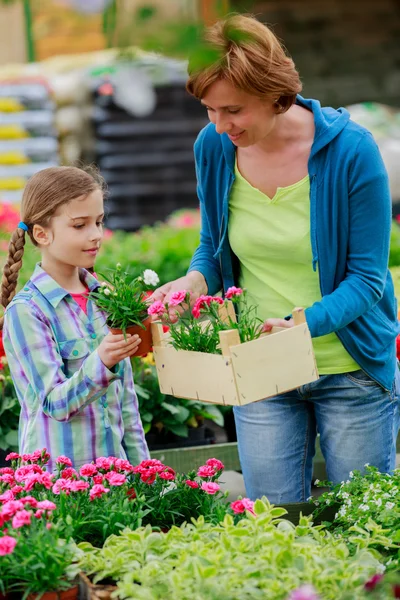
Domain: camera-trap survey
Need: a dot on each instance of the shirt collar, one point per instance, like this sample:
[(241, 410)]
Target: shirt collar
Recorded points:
[(52, 291)]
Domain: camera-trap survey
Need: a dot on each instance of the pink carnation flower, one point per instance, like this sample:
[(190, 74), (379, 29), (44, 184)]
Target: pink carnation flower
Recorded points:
[(114, 478), (78, 485), (46, 505), (157, 308), (123, 465), (104, 463), (97, 491), (69, 473), (192, 484), (6, 497), (13, 456), (98, 479), (9, 509), (7, 478), (169, 474), (17, 489), (233, 291), (7, 545), (215, 464), (21, 518), (88, 470), (206, 471), (29, 500), (240, 506), (64, 460), (7, 470), (304, 592), (209, 487), (177, 298)]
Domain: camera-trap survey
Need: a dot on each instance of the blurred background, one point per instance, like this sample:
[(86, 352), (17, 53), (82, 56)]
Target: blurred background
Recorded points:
[(103, 81)]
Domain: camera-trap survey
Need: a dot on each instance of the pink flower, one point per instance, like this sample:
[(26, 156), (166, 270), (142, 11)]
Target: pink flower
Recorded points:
[(7, 545), (7, 478), (49, 525), (7, 470), (6, 497), (169, 474), (39, 514), (373, 582), (21, 518), (13, 456), (97, 491), (17, 489), (29, 500), (98, 479), (233, 291), (64, 460), (304, 592), (215, 464), (122, 464), (114, 478), (78, 485), (192, 484), (206, 471), (46, 505), (157, 308), (44, 479), (69, 473), (240, 506), (88, 470), (177, 298), (209, 487), (61, 485), (104, 463), (9, 509)]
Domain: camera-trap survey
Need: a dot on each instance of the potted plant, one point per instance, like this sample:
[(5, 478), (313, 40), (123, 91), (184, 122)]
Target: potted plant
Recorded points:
[(211, 355), (123, 298)]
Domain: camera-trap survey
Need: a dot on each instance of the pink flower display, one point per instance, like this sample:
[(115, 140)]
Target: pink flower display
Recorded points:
[(209, 487), (105, 463), (7, 545), (115, 478), (215, 464), (157, 308), (168, 474), (240, 506), (46, 505), (78, 486), (233, 291), (29, 500), (12, 456), (69, 473)]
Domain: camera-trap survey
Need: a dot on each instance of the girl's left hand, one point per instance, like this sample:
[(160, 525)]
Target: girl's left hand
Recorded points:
[(270, 323)]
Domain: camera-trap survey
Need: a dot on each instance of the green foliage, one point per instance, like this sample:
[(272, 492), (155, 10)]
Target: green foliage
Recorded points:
[(9, 410), (261, 557)]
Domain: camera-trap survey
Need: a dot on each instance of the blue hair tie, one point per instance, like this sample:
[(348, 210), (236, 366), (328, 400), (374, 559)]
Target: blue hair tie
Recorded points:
[(21, 225)]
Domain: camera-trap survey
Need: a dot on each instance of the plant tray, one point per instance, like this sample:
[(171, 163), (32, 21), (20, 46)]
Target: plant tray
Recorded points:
[(91, 591), (277, 362)]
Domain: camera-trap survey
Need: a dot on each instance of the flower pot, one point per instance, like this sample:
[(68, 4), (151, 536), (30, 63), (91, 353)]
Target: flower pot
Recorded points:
[(70, 594), (91, 591), (145, 345)]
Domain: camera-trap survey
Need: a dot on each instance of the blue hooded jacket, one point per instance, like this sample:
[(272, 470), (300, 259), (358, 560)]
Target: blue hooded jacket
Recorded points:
[(350, 221)]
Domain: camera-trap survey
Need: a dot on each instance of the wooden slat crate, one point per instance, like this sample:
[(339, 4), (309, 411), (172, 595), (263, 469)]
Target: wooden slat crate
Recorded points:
[(277, 362)]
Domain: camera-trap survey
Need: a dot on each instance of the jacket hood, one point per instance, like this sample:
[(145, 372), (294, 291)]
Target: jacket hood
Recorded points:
[(329, 122)]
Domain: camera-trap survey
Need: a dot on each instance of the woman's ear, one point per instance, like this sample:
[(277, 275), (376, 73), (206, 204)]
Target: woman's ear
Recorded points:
[(41, 235)]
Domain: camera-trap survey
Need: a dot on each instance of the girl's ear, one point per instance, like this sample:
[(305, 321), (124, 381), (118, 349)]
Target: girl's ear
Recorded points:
[(41, 235)]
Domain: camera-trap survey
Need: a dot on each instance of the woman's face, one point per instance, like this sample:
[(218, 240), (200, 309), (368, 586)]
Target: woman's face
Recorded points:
[(245, 118)]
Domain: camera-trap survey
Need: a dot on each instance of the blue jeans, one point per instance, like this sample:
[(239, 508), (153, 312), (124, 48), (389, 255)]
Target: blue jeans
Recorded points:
[(358, 423)]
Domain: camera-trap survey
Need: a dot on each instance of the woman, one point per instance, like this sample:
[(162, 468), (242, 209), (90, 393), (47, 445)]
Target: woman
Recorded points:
[(296, 208)]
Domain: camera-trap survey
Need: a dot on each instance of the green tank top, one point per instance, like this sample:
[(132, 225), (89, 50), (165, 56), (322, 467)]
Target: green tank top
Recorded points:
[(271, 238)]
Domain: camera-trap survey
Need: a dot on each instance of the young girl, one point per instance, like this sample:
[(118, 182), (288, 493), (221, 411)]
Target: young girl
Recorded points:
[(72, 377)]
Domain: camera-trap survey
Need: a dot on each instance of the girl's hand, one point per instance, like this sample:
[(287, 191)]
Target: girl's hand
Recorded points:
[(270, 323), (115, 348)]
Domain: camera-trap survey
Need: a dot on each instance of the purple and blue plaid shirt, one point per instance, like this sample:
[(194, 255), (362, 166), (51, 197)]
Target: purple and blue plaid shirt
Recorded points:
[(71, 403)]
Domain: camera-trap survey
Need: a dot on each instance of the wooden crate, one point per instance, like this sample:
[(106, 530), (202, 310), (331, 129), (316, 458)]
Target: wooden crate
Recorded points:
[(277, 362)]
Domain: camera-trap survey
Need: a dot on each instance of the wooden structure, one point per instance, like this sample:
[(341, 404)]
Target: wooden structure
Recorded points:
[(277, 362)]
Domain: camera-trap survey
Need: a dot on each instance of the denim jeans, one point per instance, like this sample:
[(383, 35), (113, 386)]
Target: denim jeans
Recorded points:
[(358, 423)]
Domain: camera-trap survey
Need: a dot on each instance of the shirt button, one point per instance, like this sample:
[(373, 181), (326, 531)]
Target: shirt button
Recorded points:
[(26, 289), (93, 336), (75, 352), (105, 404)]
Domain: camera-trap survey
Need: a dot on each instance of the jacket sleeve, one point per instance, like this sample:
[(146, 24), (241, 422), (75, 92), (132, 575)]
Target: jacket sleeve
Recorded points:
[(368, 244), (203, 259), (134, 442), (36, 363)]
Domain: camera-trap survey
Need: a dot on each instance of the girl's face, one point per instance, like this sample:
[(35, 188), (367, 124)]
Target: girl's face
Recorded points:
[(75, 232), (245, 118)]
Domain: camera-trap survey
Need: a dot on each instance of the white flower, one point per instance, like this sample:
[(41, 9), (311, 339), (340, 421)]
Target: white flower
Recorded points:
[(381, 568), (150, 277), (107, 291), (389, 505), (103, 284), (345, 495), (364, 507), (316, 482), (351, 474), (378, 502), (366, 465)]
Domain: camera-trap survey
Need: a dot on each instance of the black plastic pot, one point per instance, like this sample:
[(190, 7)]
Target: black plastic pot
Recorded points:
[(198, 436)]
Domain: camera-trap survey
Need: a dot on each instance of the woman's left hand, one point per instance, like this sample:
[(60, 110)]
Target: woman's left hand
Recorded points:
[(270, 323)]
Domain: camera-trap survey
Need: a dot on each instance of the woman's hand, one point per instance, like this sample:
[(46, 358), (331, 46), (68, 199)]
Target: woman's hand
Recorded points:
[(114, 348), (193, 282), (270, 323)]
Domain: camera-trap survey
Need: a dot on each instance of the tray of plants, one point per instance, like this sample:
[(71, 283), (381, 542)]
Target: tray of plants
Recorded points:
[(210, 355)]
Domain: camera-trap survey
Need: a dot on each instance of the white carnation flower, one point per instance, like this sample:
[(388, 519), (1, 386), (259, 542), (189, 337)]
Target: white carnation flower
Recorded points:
[(106, 291), (150, 277)]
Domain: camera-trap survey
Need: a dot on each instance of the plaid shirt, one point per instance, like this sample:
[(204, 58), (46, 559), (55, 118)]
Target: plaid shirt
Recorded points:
[(71, 403)]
